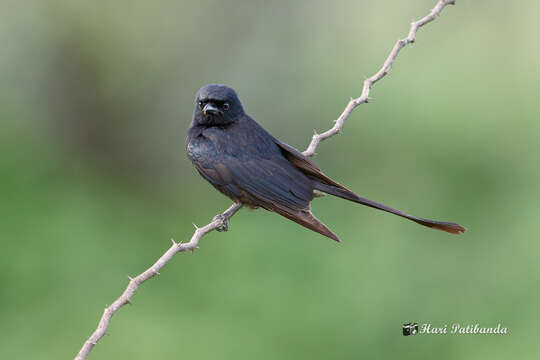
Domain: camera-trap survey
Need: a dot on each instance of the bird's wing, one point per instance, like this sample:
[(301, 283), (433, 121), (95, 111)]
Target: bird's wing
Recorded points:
[(305, 165), (271, 182)]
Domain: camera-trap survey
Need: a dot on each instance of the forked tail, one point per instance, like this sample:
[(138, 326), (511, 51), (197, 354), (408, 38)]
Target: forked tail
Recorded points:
[(450, 227)]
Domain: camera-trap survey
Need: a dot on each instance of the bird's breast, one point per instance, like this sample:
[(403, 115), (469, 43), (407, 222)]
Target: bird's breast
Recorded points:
[(199, 148)]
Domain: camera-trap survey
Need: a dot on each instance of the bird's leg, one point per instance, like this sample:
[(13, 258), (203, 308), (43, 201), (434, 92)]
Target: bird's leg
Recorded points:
[(224, 217), (224, 222)]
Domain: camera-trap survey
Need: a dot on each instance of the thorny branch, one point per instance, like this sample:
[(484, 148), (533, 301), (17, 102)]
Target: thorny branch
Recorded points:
[(220, 221), (368, 83)]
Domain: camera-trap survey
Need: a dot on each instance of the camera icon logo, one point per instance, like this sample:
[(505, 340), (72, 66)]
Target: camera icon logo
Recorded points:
[(410, 329)]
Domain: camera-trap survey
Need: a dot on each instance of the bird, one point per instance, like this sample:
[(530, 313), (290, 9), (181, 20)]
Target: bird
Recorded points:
[(246, 163)]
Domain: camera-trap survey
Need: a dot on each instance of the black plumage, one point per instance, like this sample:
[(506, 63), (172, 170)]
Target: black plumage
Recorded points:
[(243, 161)]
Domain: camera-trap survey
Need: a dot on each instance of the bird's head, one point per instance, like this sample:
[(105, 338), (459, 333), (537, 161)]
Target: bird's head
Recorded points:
[(217, 105)]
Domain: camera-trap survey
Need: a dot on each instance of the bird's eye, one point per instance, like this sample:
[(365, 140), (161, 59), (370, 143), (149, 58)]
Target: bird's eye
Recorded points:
[(226, 106), (201, 104)]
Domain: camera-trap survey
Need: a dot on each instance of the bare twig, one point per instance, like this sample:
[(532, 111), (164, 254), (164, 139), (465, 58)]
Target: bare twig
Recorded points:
[(220, 221), (368, 83)]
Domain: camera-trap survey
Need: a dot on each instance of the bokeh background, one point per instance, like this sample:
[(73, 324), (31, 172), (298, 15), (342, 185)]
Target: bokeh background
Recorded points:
[(95, 100)]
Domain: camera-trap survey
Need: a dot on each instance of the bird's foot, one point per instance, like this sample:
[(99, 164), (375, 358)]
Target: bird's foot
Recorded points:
[(223, 222)]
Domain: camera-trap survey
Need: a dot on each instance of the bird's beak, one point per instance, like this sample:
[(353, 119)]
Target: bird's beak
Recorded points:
[(210, 109)]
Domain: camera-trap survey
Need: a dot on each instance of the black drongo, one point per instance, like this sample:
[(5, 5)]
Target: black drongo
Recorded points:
[(243, 161)]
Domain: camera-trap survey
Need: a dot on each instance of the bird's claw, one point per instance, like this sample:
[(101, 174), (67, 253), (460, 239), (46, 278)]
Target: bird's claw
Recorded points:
[(224, 222)]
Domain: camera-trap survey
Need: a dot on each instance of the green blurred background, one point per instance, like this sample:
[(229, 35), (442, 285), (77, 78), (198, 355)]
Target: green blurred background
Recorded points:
[(95, 100)]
